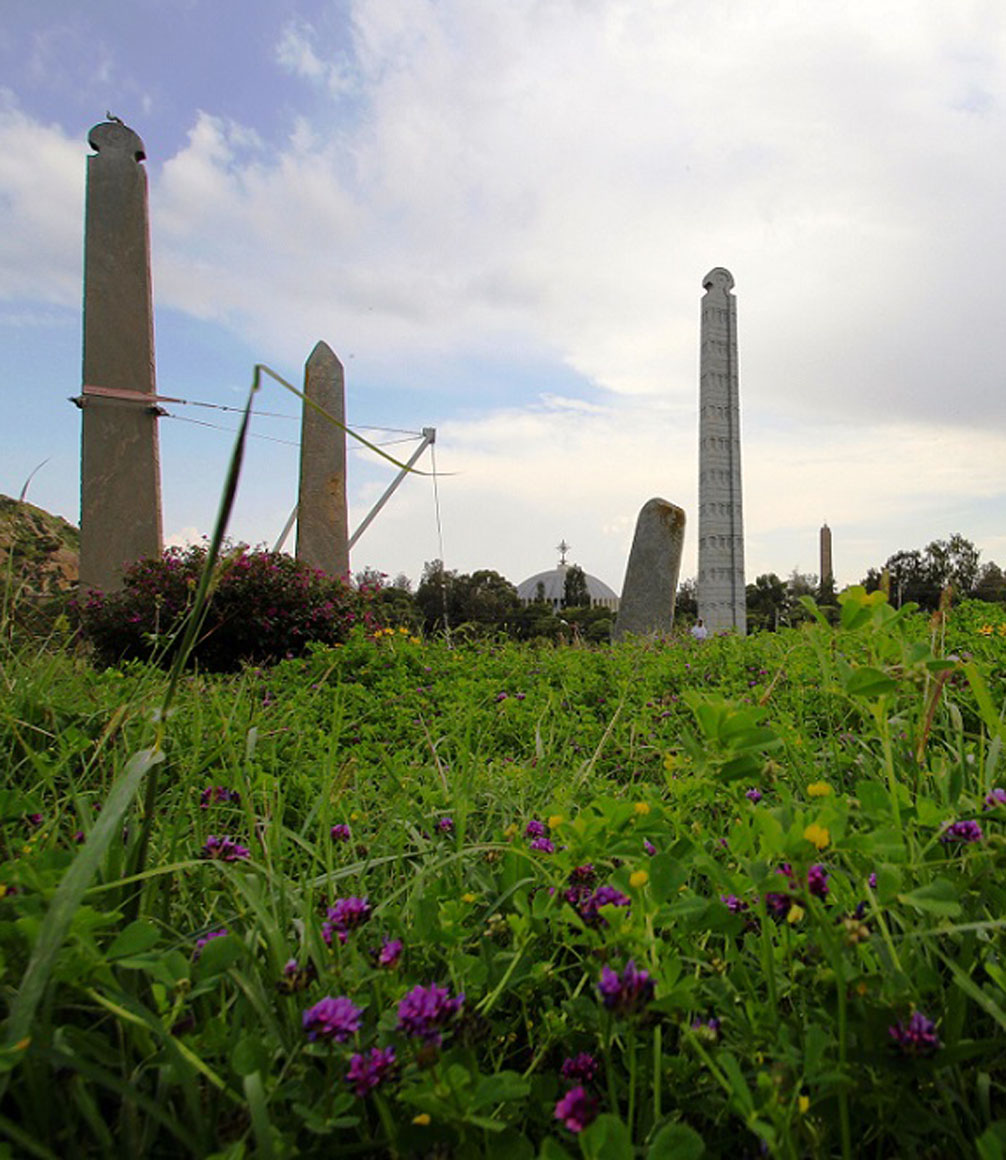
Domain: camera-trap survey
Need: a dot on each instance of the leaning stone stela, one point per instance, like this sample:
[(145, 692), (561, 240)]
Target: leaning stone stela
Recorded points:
[(651, 575)]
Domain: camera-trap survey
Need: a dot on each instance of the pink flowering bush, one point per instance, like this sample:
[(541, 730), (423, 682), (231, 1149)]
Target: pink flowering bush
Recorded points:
[(265, 606)]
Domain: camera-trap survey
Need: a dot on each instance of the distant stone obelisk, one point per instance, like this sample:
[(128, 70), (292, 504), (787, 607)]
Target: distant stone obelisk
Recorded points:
[(827, 572), (721, 593), (322, 516), (120, 475)]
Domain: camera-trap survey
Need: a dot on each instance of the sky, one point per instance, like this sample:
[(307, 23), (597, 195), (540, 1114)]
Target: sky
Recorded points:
[(499, 215)]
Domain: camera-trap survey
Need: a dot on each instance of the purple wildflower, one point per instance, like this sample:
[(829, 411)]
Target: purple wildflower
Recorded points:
[(340, 832), (778, 905), (332, 1018), (296, 977), (588, 905), (576, 1109), (445, 825), (995, 797), (734, 904), (425, 1011), (35, 819), (649, 847), (872, 880), (216, 795), (628, 993), (584, 875), (917, 1037), (390, 953), (197, 950), (534, 829), (543, 845), (346, 915), (817, 880), (369, 1071), (754, 795), (962, 833), (224, 849), (582, 1067)]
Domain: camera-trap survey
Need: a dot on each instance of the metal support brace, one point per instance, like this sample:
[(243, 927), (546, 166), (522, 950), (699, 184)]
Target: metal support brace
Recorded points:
[(429, 436)]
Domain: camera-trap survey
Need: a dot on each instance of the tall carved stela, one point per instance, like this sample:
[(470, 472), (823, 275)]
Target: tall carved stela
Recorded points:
[(721, 595), (120, 485)]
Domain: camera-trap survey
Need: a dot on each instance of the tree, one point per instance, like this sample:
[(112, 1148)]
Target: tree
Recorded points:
[(799, 584), (954, 561), (485, 600), (767, 602), (991, 584), (921, 576), (433, 596), (575, 593), (686, 604)]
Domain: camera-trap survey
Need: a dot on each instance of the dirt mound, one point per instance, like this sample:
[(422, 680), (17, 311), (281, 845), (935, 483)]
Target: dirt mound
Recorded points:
[(39, 551)]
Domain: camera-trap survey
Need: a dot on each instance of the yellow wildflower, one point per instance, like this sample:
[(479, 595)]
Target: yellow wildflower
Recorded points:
[(819, 789), (422, 1119), (803, 1104), (469, 897), (819, 835), (638, 878), (670, 761), (641, 808), (555, 821), (985, 630), (795, 914), (414, 640)]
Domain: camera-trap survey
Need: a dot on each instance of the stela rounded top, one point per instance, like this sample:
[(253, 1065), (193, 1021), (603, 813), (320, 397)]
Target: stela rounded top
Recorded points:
[(718, 278), (111, 137)]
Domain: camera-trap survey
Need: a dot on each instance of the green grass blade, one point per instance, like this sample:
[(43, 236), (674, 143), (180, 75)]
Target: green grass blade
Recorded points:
[(70, 893)]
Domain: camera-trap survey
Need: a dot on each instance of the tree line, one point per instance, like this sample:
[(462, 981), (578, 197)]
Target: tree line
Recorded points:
[(485, 602)]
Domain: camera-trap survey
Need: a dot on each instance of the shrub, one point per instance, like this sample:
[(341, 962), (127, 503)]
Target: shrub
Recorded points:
[(265, 606)]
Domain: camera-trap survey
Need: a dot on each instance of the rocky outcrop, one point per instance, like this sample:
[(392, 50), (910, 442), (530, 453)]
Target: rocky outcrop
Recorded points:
[(38, 551)]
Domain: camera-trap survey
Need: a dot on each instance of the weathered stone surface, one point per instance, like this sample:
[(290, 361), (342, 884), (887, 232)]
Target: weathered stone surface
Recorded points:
[(721, 591), (651, 575), (120, 487), (322, 515)]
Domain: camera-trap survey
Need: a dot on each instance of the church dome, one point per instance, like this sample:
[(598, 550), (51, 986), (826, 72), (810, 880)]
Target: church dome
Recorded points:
[(550, 586)]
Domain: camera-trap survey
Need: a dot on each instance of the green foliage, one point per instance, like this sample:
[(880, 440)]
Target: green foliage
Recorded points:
[(484, 602), (575, 593), (771, 816), (920, 576), (264, 606)]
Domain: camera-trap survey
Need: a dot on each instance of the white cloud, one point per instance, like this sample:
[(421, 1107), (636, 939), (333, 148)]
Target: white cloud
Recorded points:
[(41, 209), (552, 178)]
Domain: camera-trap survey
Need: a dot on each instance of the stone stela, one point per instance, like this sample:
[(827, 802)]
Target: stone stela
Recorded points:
[(826, 572), (120, 487), (721, 591), (651, 575), (322, 514)]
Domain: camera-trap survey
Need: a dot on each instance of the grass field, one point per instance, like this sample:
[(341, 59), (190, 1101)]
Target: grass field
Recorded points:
[(737, 898)]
